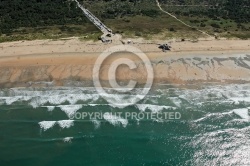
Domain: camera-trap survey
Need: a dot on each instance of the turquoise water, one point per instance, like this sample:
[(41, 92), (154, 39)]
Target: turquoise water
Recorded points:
[(36, 129)]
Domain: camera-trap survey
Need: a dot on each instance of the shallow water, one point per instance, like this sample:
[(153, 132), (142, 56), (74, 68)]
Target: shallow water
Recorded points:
[(36, 129)]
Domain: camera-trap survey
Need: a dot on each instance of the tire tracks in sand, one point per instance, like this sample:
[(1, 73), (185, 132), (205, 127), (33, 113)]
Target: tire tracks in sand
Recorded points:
[(171, 15)]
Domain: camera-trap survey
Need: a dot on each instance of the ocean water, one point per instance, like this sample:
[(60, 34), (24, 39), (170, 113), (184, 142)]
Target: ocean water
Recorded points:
[(37, 128)]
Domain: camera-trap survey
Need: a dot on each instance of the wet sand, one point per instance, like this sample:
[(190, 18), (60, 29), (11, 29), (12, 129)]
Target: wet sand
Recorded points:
[(60, 61)]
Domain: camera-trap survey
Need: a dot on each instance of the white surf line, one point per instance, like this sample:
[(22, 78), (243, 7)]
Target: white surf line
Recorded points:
[(158, 4), (243, 113)]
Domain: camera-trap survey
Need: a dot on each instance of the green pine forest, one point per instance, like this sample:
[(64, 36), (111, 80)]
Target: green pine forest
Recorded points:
[(54, 19)]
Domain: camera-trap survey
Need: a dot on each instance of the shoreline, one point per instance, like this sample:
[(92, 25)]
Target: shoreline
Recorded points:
[(73, 60)]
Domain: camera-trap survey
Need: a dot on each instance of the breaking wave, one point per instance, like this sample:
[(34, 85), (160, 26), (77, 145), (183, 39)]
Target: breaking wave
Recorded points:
[(64, 124), (115, 120)]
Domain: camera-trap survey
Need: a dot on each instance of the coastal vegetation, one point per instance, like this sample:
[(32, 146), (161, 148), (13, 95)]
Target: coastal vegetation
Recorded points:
[(42, 19)]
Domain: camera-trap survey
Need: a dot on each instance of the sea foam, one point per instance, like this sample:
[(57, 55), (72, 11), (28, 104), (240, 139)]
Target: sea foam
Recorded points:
[(49, 108), (176, 101), (96, 123), (237, 100), (153, 108), (70, 110), (67, 139), (45, 125), (66, 123), (115, 120), (243, 113), (213, 116)]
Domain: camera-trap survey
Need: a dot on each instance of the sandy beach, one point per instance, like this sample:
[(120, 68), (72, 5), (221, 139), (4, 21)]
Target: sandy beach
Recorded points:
[(23, 62)]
